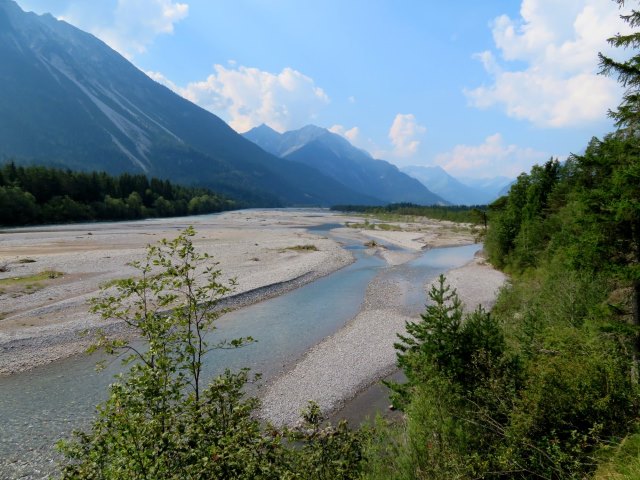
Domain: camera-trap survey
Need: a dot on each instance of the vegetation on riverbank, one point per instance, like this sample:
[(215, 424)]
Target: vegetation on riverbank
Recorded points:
[(38, 195), (162, 420), (26, 284), (402, 212), (546, 386)]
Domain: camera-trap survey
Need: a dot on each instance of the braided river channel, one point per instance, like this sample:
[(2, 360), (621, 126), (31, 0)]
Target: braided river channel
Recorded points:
[(41, 406)]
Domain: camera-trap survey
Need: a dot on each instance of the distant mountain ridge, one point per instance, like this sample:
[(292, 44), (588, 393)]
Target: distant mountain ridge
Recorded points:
[(68, 100), (334, 156), (448, 187), (489, 184), (457, 191)]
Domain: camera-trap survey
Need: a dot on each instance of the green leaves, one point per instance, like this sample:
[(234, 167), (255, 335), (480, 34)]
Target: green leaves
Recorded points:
[(162, 420)]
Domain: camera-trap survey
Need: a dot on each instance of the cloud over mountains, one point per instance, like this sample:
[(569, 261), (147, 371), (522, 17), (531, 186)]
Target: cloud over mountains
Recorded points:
[(488, 158), (547, 69), (127, 26)]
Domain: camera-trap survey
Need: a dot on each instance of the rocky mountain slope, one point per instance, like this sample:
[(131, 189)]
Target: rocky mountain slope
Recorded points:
[(335, 157), (67, 99)]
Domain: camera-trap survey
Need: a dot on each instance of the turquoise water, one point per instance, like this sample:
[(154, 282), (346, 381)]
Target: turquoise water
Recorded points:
[(39, 407), (425, 268)]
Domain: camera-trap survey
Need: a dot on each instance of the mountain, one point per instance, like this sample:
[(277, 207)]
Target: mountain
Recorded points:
[(494, 186), (334, 156), (506, 189), (68, 100), (451, 189)]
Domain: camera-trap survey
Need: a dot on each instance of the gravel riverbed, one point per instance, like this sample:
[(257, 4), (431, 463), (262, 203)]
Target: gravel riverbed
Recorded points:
[(362, 352), (44, 322)]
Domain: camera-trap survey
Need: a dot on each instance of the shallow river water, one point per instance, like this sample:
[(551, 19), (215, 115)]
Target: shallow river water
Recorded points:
[(41, 406)]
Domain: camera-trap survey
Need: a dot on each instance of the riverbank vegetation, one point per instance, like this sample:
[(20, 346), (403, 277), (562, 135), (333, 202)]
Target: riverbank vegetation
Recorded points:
[(395, 212), (27, 284), (546, 386), (37, 195)]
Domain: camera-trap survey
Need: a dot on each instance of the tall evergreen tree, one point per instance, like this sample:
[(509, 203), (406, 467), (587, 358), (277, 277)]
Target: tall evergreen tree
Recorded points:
[(625, 205)]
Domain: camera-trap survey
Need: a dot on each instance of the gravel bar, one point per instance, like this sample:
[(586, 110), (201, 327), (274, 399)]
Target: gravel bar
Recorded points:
[(362, 352)]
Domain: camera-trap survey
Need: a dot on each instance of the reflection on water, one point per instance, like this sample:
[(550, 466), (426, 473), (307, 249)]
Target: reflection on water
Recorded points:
[(425, 268)]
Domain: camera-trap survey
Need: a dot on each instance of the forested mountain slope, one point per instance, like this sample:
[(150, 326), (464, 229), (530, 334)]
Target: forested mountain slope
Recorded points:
[(67, 99)]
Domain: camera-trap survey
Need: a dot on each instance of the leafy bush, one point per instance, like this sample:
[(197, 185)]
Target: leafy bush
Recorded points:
[(162, 420)]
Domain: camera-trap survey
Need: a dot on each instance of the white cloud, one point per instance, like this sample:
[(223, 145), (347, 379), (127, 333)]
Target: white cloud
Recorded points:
[(138, 22), (247, 97), (558, 42), (404, 134), (160, 78), (491, 158), (128, 26), (352, 134)]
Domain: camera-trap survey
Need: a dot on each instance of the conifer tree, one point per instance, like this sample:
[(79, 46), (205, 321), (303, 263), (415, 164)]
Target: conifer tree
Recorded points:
[(625, 175)]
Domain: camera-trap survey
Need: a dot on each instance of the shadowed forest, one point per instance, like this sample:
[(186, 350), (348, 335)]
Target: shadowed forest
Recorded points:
[(37, 195)]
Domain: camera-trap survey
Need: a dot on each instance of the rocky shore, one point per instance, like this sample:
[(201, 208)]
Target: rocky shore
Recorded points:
[(258, 249)]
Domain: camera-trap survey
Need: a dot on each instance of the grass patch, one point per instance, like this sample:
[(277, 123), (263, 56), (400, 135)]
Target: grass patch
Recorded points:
[(28, 284), (26, 260), (110, 283), (303, 248), (621, 461), (367, 225), (116, 281), (393, 217), (29, 280), (388, 227)]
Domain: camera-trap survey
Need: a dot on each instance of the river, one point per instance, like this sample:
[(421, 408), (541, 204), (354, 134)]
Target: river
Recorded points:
[(39, 407)]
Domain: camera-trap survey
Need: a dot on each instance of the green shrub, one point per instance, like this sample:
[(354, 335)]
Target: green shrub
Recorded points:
[(162, 420)]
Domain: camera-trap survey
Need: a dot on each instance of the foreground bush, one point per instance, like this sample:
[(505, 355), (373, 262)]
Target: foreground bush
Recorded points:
[(163, 421)]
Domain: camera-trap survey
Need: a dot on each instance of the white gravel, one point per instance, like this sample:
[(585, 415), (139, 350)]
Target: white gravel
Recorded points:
[(477, 283), (251, 246), (254, 247)]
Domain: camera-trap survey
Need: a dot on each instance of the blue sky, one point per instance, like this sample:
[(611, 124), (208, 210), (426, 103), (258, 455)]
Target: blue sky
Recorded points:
[(482, 88)]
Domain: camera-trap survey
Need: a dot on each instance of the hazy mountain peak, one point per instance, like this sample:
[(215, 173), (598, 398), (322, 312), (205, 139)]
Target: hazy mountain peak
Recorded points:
[(333, 155), (11, 15), (263, 128), (295, 139), (21, 20), (265, 137), (456, 190), (312, 130), (10, 5)]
